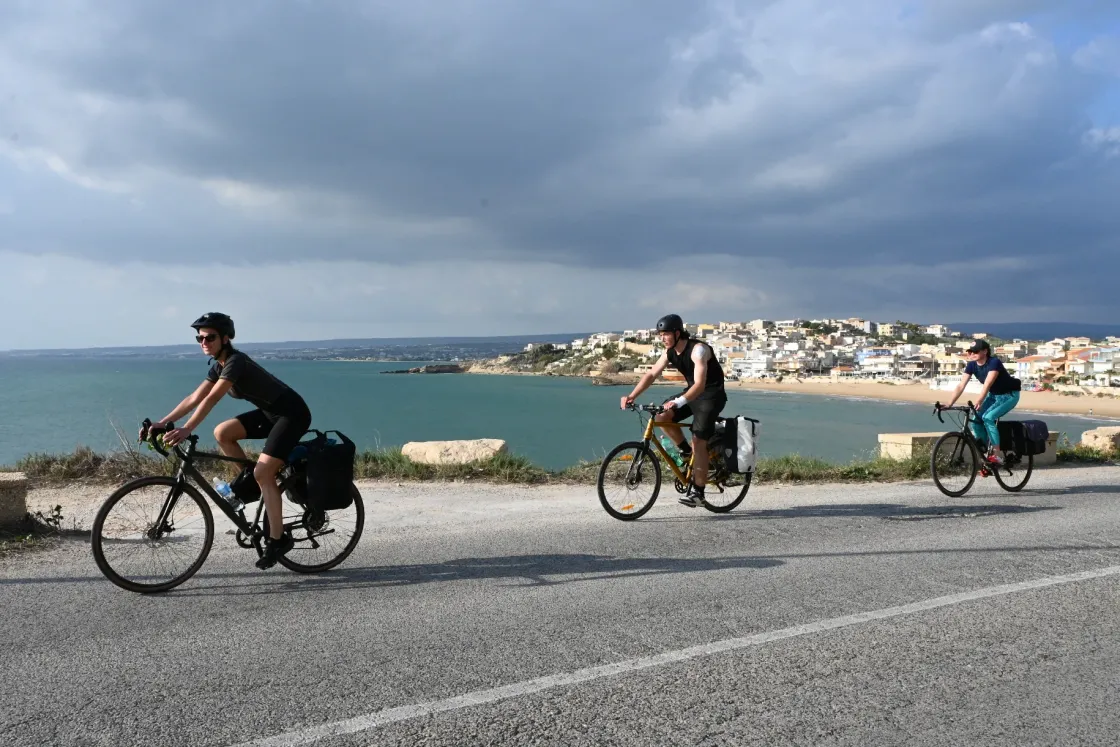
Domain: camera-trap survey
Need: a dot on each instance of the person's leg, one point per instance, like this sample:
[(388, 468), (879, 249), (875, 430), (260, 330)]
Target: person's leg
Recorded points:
[(699, 461), (1002, 404), (265, 472), (978, 426), (285, 434), (705, 414), (675, 433), (227, 434)]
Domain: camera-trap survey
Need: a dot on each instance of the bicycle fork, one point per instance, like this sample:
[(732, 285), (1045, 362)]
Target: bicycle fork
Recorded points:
[(163, 524)]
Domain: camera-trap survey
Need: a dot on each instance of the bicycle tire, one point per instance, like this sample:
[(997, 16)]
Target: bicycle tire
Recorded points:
[(747, 479), (639, 447), (96, 535), (293, 565), (1010, 488), (954, 437)]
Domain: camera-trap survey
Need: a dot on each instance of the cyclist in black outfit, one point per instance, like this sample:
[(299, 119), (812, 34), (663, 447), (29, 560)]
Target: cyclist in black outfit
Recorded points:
[(703, 401), (281, 418)]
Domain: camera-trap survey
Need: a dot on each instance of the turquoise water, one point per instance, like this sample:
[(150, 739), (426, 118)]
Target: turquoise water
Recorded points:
[(53, 405)]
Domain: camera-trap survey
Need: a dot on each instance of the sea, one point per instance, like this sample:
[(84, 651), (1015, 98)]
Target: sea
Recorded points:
[(55, 404)]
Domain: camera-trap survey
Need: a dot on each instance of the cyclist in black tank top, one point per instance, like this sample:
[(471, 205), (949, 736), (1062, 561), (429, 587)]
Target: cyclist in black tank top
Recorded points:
[(685, 363), (703, 400), (281, 418)]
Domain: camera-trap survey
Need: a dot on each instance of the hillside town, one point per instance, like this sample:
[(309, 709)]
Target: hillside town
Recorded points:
[(841, 349)]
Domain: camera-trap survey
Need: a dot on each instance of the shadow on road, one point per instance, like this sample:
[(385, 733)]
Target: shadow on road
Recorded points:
[(1075, 490), (891, 511), (530, 570)]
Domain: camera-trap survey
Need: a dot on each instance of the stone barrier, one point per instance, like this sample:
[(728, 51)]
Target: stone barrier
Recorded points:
[(904, 445), (453, 452), (1106, 439), (13, 497)]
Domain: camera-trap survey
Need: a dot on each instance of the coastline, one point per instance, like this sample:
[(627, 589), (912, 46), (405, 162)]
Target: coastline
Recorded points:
[(915, 392)]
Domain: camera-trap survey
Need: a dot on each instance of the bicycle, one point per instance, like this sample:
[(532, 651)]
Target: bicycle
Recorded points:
[(958, 455), (624, 470), (177, 525)]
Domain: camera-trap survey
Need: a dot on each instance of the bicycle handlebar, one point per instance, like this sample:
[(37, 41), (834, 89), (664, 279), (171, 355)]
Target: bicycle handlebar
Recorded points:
[(644, 408), (150, 433), (938, 408)]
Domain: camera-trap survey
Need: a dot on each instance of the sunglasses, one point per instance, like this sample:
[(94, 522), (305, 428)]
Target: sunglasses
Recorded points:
[(206, 338)]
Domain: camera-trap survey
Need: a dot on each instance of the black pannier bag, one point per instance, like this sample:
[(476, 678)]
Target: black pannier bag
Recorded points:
[(1024, 437), (1037, 434), (330, 471), (245, 485)]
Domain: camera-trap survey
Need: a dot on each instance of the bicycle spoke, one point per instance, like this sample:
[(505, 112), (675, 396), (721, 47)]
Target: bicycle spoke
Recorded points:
[(321, 540), (138, 554), (953, 463), (628, 481)]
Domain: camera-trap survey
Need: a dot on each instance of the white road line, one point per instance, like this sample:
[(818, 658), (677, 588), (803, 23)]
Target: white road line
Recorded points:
[(528, 687)]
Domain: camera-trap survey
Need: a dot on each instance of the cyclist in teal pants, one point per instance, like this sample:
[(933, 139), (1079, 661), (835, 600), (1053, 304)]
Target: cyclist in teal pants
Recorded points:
[(999, 396)]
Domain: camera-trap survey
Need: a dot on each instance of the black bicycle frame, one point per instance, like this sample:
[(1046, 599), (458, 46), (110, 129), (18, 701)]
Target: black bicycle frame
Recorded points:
[(967, 438), (187, 470)]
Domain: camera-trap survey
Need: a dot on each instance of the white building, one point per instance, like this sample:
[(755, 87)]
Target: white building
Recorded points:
[(753, 365), (1053, 349), (879, 366), (1105, 365), (604, 338)]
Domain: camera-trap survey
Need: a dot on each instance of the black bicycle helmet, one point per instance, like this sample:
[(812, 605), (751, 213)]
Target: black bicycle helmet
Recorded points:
[(215, 320), (670, 323)]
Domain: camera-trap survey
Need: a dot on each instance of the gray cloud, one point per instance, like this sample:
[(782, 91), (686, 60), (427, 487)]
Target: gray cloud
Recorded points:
[(817, 140)]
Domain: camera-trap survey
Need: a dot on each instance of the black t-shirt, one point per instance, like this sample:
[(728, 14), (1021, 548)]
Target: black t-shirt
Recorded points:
[(253, 383), (1005, 383), (713, 383)]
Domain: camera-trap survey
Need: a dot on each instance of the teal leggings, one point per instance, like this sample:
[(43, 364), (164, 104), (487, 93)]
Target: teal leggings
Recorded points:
[(993, 407)]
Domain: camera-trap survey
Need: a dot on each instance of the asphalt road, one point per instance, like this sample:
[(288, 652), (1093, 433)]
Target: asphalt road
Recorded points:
[(822, 615)]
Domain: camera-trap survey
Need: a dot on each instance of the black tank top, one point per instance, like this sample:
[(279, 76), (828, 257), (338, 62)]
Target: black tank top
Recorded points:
[(713, 383)]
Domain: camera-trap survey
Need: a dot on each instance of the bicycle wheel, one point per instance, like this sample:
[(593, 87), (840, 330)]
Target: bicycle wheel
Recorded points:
[(734, 489), (323, 539), (953, 464), (136, 554), (624, 476), (1017, 474)]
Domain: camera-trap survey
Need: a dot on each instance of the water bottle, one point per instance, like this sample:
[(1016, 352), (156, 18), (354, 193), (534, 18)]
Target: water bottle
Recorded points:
[(298, 453), (671, 447), (227, 494)]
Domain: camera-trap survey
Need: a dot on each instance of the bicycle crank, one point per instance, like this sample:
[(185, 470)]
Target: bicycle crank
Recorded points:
[(244, 541)]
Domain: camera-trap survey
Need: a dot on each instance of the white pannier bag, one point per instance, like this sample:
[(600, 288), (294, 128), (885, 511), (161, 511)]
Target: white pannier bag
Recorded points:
[(740, 444)]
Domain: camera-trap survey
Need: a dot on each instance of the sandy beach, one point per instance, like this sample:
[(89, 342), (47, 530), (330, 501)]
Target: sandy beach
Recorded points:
[(1107, 406), (1053, 402)]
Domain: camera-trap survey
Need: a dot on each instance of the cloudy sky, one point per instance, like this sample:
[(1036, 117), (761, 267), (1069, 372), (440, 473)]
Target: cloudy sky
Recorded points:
[(322, 169)]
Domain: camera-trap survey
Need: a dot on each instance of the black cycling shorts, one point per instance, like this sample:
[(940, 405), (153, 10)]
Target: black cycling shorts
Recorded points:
[(281, 431), (704, 413)]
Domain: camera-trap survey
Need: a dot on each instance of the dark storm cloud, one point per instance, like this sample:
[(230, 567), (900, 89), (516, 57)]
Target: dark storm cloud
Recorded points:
[(586, 133)]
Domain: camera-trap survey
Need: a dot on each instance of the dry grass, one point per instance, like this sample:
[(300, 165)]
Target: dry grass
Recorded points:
[(390, 464)]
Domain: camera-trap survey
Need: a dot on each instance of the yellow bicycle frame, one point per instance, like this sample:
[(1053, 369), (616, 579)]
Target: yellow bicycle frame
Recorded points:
[(685, 476)]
